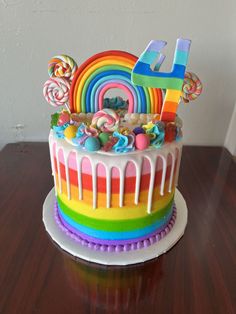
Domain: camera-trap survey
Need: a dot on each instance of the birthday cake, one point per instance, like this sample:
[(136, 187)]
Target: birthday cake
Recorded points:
[(115, 161)]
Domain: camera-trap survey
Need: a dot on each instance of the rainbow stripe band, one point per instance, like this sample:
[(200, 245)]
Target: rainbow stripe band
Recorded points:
[(117, 230), (143, 75), (140, 93), (111, 69), (110, 245), (118, 225)]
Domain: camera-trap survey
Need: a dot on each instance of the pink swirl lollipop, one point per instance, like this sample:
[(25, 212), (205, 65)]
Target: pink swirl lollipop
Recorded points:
[(106, 120), (62, 66), (192, 87), (56, 91)]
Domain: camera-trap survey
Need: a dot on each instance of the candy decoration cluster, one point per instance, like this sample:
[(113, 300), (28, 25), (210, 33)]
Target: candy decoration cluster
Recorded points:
[(172, 82), (83, 89), (107, 131)]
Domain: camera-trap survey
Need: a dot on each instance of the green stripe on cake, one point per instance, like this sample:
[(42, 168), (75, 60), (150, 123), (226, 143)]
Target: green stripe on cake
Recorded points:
[(116, 225)]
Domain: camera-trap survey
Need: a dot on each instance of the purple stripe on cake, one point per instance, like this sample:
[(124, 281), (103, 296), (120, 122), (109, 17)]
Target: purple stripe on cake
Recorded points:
[(108, 242), (117, 246)]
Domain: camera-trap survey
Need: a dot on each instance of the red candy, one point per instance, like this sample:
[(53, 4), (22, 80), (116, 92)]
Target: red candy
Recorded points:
[(170, 132), (64, 118), (108, 146)]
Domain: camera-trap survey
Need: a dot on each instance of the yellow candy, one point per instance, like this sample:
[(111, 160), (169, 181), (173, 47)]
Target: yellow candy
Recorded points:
[(125, 131), (148, 126), (70, 131), (156, 118)]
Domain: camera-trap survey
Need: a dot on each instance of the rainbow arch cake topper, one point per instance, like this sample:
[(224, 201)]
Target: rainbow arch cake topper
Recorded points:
[(106, 70)]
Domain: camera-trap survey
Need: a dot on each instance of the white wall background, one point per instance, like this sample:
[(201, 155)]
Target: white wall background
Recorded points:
[(31, 32)]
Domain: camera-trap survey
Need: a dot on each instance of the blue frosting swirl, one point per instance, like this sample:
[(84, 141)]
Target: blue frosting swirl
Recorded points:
[(124, 144), (157, 134), (59, 130), (81, 136)]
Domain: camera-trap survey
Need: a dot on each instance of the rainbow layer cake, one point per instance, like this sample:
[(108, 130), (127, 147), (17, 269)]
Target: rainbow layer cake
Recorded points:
[(115, 160)]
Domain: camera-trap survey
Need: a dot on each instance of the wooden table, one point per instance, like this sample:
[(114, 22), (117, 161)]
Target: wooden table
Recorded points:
[(197, 276)]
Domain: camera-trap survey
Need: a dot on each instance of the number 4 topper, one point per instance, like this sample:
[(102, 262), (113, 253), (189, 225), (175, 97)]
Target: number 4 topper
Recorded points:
[(172, 82)]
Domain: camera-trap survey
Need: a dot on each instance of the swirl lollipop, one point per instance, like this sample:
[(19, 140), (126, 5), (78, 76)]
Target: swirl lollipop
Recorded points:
[(56, 92), (62, 66), (192, 87), (106, 120)]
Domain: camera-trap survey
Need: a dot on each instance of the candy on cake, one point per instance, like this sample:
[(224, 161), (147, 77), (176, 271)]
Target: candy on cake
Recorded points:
[(115, 162)]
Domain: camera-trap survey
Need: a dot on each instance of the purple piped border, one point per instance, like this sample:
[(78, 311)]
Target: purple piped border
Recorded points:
[(117, 248)]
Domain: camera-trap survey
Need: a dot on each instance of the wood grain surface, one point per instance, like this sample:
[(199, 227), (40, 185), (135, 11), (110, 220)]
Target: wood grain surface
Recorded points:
[(197, 276)]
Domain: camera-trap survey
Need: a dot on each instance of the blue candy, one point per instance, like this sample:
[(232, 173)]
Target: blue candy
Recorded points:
[(92, 144)]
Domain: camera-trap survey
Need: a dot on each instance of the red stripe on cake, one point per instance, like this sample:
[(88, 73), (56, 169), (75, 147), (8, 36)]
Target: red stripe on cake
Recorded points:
[(129, 186)]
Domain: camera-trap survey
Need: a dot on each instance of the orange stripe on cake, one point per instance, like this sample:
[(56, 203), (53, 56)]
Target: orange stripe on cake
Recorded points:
[(101, 197)]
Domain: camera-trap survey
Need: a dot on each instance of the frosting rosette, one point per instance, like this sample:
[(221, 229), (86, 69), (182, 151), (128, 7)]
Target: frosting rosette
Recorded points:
[(83, 133), (107, 120), (62, 66), (125, 143), (192, 87), (59, 130), (56, 91), (81, 136), (156, 133)]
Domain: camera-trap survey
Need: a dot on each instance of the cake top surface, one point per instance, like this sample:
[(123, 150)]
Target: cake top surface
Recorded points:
[(92, 121)]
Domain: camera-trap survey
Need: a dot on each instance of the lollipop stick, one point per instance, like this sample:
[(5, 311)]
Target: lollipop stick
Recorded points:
[(67, 107)]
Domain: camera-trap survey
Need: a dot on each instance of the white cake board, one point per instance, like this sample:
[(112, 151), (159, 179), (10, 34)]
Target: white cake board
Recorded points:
[(112, 258)]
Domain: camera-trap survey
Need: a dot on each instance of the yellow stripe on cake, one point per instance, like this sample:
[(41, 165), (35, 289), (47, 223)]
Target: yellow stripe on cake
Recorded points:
[(125, 212)]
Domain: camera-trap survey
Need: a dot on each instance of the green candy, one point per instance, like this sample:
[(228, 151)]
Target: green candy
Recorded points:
[(104, 137), (54, 119)]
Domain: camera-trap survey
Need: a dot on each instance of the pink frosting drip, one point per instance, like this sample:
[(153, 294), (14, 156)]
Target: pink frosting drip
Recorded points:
[(117, 248)]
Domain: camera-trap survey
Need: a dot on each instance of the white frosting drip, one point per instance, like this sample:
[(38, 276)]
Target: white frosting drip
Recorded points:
[(67, 176), (94, 182), (120, 162), (178, 164), (52, 161), (79, 175), (138, 165), (58, 169), (151, 183), (164, 160), (108, 186), (122, 182), (172, 171)]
